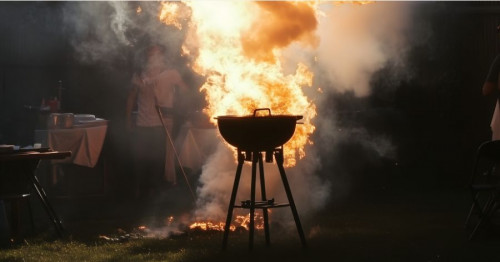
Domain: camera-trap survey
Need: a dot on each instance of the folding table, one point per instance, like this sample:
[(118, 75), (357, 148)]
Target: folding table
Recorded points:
[(21, 165)]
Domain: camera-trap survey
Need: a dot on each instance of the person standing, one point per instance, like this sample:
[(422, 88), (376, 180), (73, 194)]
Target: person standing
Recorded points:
[(155, 84), (491, 87)]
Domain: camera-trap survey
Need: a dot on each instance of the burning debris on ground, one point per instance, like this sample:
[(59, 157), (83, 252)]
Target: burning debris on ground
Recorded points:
[(194, 231), (122, 235), (143, 232)]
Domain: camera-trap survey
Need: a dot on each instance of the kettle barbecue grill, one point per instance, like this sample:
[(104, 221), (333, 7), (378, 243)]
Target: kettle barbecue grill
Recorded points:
[(252, 135)]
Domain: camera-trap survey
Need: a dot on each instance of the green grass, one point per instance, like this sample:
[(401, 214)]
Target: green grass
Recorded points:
[(196, 246), (187, 249), (391, 229)]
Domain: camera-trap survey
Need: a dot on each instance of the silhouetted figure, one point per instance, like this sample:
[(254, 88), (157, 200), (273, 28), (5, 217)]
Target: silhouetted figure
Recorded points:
[(155, 84), (491, 87)]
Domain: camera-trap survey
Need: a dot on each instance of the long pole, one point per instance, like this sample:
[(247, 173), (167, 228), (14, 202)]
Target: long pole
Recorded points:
[(158, 108)]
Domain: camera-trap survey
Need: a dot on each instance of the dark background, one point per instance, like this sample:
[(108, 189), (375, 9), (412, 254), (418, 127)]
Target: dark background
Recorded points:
[(436, 120)]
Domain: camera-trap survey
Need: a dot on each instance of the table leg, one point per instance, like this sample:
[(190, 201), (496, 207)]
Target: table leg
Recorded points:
[(44, 199)]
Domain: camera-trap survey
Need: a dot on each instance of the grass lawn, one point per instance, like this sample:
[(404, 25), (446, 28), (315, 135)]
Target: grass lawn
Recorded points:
[(421, 226)]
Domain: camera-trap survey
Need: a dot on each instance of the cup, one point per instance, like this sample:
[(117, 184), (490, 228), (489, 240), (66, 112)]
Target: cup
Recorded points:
[(54, 121), (67, 120)]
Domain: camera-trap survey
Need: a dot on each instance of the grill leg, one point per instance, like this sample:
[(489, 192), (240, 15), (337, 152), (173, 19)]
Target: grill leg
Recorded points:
[(279, 161), (264, 198), (255, 159), (233, 198)]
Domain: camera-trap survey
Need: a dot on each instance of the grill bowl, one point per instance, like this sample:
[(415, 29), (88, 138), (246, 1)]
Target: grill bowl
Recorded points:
[(257, 133)]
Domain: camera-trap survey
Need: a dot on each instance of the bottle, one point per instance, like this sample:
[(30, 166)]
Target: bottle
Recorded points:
[(53, 104), (58, 104)]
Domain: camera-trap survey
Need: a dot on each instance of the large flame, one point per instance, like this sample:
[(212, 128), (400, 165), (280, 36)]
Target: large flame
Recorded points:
[(169, 14), (239, 46)]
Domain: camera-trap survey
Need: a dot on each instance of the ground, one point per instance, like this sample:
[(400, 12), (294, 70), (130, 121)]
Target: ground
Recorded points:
[(423, 225)]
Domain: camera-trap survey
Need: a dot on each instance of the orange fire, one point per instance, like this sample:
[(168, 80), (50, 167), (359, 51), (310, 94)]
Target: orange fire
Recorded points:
[(170, 15), (218, 226), (354, 2), (240, 221), (239, 48)]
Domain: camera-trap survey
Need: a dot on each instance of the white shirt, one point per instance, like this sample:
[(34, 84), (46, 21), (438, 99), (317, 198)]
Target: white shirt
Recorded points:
[(495, 123), (155, 87)]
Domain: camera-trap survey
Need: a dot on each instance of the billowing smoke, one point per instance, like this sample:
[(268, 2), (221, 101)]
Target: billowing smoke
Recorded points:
[(344, 45), (357, 41), (274, 28), (98, 30), (107, 33)]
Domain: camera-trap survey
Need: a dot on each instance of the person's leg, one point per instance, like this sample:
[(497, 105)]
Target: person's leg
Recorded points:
[(142, 160), (157, 160), (169, 174)]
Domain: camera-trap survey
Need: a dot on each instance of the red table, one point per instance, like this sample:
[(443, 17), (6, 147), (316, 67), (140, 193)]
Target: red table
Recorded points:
[(24, 162)]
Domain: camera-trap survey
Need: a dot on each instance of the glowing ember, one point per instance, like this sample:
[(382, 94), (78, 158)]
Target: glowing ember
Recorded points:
[(218, 226), (244, 221), (239, 221), (169, 220)]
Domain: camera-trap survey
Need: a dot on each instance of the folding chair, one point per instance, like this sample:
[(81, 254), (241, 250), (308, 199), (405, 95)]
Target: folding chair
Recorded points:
[(15, 192), (484, 186), (15, 213)]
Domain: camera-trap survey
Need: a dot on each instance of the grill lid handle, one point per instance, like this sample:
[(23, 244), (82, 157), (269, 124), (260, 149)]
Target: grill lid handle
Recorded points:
[(261, 109)]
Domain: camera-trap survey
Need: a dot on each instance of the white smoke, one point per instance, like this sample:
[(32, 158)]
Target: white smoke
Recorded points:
[(357, 41), (216, 183), (97, 30), (107, 32), (120, 21), (217, 178)]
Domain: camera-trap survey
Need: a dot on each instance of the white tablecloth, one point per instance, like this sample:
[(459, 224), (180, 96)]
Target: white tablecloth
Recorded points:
[(194, 145), (85, 143)]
